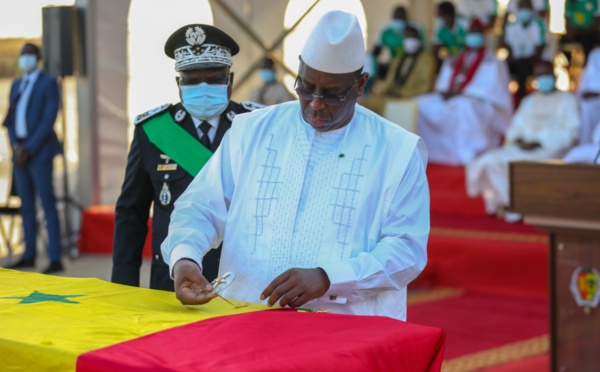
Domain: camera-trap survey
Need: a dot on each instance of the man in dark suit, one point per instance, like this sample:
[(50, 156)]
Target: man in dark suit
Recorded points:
[(170, 145), (30, 121)]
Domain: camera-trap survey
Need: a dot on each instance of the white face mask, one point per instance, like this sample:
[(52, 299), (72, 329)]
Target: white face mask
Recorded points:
[(28, 62), (411, 45)]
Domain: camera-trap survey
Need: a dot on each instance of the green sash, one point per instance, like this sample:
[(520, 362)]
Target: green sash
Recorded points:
[(176, 143)]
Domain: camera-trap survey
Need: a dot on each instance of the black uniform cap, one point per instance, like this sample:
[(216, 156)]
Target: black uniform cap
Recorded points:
[(199, 46)]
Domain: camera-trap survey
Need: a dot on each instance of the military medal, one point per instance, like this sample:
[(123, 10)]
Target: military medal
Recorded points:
[(166, 167), (165, 194)]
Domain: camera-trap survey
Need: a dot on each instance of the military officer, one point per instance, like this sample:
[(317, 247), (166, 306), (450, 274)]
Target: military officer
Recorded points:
[(170, 145)]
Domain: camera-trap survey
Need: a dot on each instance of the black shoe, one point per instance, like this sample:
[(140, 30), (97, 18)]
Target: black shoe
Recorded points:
[(55, 267), (23, 263)]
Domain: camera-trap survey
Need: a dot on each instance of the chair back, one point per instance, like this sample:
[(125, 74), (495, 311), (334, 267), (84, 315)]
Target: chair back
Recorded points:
[(402, 112), (8, 195)]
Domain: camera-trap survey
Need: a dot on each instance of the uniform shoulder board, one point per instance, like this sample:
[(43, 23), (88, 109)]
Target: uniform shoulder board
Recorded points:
[(251, 106), (148, 114)]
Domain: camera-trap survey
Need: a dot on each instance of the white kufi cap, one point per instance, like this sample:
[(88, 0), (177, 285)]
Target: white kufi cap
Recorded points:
[(335, 45)]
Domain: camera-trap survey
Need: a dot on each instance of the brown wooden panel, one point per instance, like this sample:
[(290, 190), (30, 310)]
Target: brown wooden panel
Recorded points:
[(555, 189)]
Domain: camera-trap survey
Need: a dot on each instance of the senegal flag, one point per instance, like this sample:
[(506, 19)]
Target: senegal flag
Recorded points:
[(47, 322), (50, 323)]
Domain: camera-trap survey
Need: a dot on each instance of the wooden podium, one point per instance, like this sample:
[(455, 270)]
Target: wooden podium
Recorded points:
[(564, 199)]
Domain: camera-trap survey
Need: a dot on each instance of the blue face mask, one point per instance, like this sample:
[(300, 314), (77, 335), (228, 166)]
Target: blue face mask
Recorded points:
[(28, 62), (545, 83), (524, 15), (204, 101), (267, 75), (474, 40), (398, 25)]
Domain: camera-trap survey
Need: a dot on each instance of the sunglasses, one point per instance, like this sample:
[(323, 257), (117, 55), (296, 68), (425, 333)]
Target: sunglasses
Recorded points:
[(329, 99), (223, 282), (211, 80)]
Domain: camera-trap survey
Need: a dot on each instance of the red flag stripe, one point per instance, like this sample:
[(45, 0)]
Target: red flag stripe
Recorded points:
[(277, 340)]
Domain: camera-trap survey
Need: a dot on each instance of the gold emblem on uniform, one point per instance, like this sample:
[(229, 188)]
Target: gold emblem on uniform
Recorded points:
[(165, 195)]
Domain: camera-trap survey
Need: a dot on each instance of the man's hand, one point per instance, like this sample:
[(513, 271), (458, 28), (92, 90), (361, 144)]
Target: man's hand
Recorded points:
[(295, 287), (22, 156), (527, 146), (589, 95), (191, 287), (447, 95)]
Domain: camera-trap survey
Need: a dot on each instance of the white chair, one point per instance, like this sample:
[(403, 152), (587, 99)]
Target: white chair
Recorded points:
[(10, 220), (403, 112)]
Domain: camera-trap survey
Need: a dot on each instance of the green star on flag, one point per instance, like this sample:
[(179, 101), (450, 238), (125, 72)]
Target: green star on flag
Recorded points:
[(36, 297)]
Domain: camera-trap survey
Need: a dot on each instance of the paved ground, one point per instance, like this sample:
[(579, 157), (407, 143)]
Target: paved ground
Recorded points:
[(90, 266), (84, 266)]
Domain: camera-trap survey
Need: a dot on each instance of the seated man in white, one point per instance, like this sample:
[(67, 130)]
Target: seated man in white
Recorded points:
[(589, 97), (471, 107), (545, 126), (586, 152)]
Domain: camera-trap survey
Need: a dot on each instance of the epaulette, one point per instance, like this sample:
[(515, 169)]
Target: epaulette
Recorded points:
[(251, 106), (148, 114)]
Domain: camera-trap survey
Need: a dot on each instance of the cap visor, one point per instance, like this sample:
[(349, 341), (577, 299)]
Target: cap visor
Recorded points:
[(202, 66)]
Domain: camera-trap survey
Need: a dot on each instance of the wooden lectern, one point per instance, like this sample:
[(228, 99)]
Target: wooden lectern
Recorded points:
[(564, 199)]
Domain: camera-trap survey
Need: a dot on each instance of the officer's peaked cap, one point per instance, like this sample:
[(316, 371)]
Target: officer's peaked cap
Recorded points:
[(199, 46)]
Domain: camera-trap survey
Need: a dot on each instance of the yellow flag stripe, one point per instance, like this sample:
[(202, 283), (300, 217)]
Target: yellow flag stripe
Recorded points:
[(47, 334)]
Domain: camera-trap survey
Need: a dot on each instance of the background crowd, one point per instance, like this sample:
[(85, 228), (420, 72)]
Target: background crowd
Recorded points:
[(481, 90)]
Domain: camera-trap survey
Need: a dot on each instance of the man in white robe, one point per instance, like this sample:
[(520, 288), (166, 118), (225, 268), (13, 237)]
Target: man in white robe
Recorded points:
[(320, 203), (545, 126), (589, 97), (586, 152), (471, 107)]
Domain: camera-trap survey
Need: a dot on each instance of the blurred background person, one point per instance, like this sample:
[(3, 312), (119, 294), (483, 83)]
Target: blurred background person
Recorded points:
[(449, 31), (34, 102), (391, 40), (525, 39), (589, 97), (545, 126), (411, 74), (587, 152), (540, 7), (272, 91), (471, 107), (485, 11), (583, 24)]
